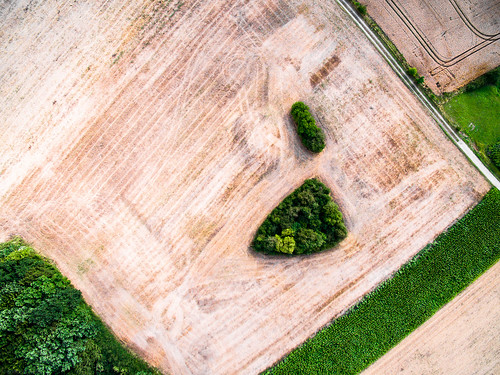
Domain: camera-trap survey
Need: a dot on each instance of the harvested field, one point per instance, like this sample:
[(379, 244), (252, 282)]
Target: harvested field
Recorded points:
[(450, 42), (462, 338), (144, 143)]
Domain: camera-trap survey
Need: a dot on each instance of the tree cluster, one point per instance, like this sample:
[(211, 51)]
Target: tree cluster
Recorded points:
[(360, 7), (306, 221), (45, 325), (310, 134), (494, 154), (412, 71)]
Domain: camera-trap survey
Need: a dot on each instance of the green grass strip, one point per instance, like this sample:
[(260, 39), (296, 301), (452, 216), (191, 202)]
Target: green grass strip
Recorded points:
[(478, 114), (402, 303)]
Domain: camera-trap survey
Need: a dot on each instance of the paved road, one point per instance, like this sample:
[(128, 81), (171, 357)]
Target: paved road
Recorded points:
[(441, 121)]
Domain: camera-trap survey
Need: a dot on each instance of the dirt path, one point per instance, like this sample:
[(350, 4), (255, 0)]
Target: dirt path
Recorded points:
[(461, 338), (144, 143)]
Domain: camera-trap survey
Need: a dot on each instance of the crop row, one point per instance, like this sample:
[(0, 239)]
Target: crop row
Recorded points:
[(402, 303)]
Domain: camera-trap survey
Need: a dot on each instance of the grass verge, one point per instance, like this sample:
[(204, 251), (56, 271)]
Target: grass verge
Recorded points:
[(402, 303), (475, 112)]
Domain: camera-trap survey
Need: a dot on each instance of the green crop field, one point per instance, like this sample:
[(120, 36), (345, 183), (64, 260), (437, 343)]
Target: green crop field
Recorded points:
[(402, 303)]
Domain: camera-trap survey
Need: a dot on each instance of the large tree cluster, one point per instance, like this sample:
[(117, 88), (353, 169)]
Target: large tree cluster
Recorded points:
[(306, 221), (45, 325)]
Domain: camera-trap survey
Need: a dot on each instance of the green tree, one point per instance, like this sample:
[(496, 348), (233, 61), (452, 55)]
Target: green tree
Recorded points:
[(414, 73), (494, 154), (45, 325), (360, 7), (285, 244), (304, 222), (310, 134)]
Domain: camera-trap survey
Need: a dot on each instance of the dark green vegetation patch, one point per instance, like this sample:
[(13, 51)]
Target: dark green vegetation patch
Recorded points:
[(307, 221), (399, 305), (310, 134), (494, 154), (47, 328), (360, 7)]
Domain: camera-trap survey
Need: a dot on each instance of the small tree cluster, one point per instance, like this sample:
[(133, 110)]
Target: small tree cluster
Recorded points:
[(360, 7), (306, 221), (311, 135), (494, 154), (491, 78), (414, 73)]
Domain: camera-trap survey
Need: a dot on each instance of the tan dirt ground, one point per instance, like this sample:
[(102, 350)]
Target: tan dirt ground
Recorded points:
[(450, 42), (462, 338), (144, 143)]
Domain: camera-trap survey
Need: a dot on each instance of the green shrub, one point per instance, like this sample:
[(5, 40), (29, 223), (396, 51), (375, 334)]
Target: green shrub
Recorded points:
[(414, 73), (45, 325), (494, 154), (360, 7), (402, 303), (306, 221), (311, 135)]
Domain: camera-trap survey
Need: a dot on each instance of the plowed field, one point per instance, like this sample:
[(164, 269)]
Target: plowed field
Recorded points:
[(144, 143), (450, 42)]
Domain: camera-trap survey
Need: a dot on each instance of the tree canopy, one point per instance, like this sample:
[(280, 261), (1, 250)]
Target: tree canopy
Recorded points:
[(45, 325), (494, 154), (310, 134), (306, 221)]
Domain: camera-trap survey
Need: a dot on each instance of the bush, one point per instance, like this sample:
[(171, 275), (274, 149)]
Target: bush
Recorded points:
[(491, 78), (360, 7), (45, 325), (311, 135), (414, 73), (307, 221), (494, 154)]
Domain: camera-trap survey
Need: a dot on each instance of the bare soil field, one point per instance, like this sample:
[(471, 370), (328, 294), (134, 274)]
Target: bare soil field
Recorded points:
[(461, 338), (144, 143), (450, 42)]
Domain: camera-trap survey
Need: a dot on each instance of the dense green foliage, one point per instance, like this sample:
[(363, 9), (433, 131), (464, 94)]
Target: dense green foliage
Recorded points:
[(399, 305), (45, 325), (311, 135), (494, 154), (492, 78), (306, 221)]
